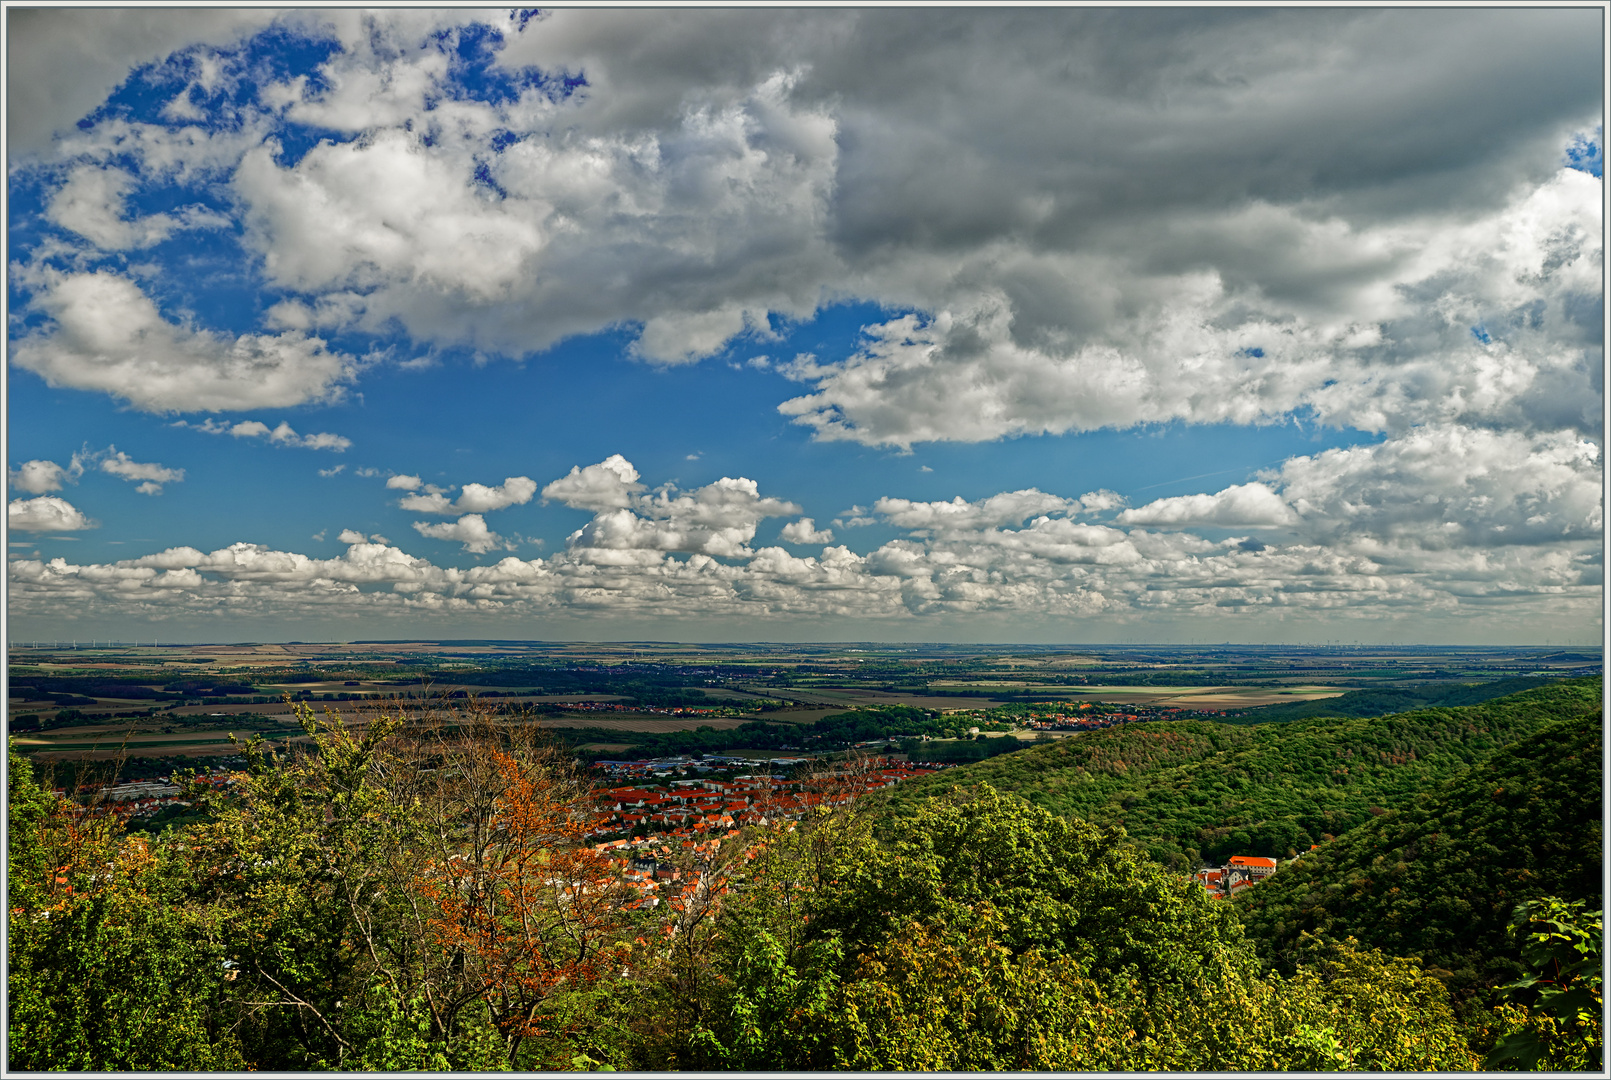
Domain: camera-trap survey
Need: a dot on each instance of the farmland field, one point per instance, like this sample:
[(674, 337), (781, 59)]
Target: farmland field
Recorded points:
[(186, 699)]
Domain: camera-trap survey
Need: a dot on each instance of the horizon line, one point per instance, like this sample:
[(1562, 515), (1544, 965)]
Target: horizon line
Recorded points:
[(114, 643)]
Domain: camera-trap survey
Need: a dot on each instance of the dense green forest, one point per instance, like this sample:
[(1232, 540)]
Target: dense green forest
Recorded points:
[(1439, 878), (1191, 792), (419, 895)]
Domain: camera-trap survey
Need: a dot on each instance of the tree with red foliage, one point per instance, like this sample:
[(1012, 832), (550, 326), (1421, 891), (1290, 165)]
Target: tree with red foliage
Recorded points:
[(533, 914)]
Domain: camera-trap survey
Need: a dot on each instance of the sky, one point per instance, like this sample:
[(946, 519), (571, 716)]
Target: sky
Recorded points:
[(949, 325)]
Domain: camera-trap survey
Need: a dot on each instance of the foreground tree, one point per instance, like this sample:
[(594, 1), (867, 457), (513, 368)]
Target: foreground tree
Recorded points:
[(935, 998), (407, 895), (1553, 1020), (529, 916), (1345, 1008), (109, 968)]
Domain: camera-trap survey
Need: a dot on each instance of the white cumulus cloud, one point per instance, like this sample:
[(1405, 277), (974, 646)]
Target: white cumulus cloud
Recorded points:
[(91, 204), (470, 530), (610, 484), (1244, 505), (105, 334), (718, 519), (1098, 501), (38, 476), (805, 531), (706, 221), (473, 498), (1451, 486), (154, 476), (318, 440), (430, 502), (1010, 507), (47, 513)]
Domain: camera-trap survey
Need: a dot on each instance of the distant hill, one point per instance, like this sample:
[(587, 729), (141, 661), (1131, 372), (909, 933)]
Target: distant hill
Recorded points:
[(1196, 791), (1380, 702), (1439, 878)]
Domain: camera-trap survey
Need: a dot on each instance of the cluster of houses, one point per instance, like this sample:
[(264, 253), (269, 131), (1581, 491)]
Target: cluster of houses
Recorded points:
[(1242, 872), (143, 798), (707, 803), (683, 827), (650, 870)]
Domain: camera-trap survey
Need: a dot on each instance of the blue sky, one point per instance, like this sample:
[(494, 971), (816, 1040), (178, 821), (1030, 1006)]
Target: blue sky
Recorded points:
[(702, 325)]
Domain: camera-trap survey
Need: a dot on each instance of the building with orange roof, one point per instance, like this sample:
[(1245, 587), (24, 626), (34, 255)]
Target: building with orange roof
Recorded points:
[(1242, 872)]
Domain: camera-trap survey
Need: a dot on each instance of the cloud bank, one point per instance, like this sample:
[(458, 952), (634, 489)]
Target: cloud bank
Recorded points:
[(1341, 542)]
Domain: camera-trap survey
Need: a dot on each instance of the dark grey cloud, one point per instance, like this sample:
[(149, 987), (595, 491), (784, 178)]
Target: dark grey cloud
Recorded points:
[(1104, 105), (62, 63), (1279, 105)]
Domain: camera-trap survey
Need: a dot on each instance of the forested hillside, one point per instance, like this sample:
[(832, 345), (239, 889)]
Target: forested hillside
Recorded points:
[(1191, 791), (1439, 878)]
